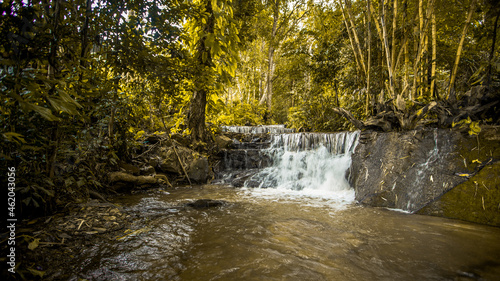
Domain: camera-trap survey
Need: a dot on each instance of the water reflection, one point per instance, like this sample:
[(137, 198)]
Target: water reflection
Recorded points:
[(277, 238)]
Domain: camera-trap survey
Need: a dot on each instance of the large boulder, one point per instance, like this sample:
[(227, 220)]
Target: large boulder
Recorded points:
[(223, 141), (198, 170), (169, 160), (409, 170)]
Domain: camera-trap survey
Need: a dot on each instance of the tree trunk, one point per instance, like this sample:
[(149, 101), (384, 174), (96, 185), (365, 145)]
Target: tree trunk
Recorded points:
[(420, 47), (418, 74), (54, 44), (269, 82), (268, 96), (196, 118), (85, 28), (387, 53), (368, 72), (434, 55), (492, 52), (406, 53), (451, 92), (353, 37), (356, 39), (394, 26)]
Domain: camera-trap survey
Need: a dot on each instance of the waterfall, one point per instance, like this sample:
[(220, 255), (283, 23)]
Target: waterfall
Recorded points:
[(271, 129), (310, 164)]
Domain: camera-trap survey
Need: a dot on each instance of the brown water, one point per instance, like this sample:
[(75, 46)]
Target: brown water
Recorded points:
[(272, 237)]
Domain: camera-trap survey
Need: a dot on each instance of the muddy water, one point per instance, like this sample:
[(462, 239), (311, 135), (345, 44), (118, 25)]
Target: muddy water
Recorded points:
[(266, 236)]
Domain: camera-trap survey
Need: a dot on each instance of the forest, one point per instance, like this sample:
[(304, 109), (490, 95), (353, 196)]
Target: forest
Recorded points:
[(84, 81)]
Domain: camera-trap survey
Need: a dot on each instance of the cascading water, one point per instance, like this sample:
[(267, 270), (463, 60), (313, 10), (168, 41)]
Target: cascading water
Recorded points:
[(300, 237), (272, 129), (308, 164), (303, 164)]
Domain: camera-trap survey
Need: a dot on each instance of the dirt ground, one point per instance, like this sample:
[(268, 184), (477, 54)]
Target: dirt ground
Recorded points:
[(47, 246)]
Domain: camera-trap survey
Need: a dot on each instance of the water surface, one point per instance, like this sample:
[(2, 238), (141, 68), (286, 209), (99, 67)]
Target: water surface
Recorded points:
[(261, 235)]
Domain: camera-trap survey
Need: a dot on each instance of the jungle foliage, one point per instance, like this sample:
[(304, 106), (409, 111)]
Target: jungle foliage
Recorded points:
[(82, 81)]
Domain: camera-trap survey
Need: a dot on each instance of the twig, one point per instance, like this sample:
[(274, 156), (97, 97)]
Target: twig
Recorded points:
[(182, 165), (80, 225), (153, 146)]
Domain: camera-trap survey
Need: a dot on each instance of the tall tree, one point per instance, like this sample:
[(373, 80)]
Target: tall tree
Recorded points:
[(286, 16), (213, 42), (203, 55), (451, 92)]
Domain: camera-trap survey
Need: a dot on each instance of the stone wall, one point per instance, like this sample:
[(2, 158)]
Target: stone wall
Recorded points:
[(420, 170)]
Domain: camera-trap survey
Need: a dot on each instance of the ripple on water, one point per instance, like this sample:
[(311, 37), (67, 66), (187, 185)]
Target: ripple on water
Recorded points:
[(259, 236)]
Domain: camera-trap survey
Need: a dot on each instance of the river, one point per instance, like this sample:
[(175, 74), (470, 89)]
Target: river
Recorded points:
[(295, 218), (259, 235)]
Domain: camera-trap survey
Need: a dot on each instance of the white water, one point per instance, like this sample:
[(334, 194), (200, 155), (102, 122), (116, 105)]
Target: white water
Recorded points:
[(308, 165), (272, 129)]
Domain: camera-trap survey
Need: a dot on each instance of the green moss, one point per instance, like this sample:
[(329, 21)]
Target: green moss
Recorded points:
[(476, 200)]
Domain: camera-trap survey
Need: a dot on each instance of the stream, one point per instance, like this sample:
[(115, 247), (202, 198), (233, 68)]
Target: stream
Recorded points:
[(293, 218), (264, 236)]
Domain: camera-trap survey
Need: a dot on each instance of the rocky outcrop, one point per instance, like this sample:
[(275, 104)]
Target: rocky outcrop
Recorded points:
[(414, 169), (243, 155), (477, 199)]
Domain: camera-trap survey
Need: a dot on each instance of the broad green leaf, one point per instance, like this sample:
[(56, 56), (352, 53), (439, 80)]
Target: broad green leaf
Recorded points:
[(67, 98)]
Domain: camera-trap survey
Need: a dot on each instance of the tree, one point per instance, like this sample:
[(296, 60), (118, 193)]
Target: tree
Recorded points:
[(213, 43), (285, 19), (453, 76)]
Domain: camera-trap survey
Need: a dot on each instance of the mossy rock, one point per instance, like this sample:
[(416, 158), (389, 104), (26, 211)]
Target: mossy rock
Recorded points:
[(476, 200)]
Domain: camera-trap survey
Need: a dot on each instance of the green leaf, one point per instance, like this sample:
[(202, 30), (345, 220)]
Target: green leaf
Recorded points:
[(474, 128), (14, 137), (37, 272), (34, 244), (44, 112), (30, 147), (27, 201), (67, 98), (63, 106), (48, 192)]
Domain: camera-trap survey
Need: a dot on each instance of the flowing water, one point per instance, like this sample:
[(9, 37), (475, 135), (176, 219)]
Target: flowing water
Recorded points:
[(259, 236), (274, 129), (295, 219)]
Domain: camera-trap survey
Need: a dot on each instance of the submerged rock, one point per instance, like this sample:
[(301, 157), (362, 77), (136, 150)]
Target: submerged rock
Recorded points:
[(206, 203)]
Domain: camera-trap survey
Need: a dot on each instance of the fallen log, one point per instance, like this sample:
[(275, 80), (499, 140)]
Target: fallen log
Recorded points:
[(128, 178)]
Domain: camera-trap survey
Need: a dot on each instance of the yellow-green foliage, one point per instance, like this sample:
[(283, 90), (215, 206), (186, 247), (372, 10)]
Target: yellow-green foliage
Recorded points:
[(474, 128), (241, 114)]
